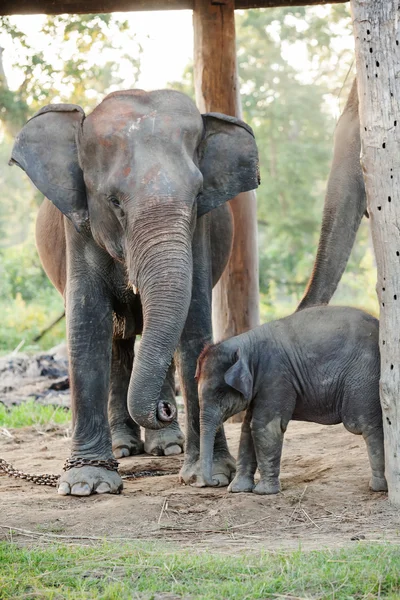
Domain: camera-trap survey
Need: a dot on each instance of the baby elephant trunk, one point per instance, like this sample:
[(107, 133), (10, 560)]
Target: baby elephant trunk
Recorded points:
[(210, 420)]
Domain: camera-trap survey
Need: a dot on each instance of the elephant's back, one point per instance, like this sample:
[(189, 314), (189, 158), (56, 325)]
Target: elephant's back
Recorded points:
[(331, 329)]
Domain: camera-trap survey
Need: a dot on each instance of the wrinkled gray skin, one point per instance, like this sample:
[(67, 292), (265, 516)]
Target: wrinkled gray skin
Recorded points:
[(345, 205), (320, 365), (130, 242)]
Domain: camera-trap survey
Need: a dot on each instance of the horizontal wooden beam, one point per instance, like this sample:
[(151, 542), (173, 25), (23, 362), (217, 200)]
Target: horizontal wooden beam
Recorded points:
[(277, 3), (57, 7)]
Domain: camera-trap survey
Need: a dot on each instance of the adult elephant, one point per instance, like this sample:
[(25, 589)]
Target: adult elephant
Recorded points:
[(127, 241), (345, 205)]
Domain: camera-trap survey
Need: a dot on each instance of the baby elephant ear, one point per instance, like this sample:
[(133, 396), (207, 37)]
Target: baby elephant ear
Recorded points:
[(228, 160), (46, 149), (238, 376)]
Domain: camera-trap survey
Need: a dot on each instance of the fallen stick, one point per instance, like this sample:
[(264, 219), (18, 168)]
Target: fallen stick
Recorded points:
[(44, 331), (29, 533), (165, 503)]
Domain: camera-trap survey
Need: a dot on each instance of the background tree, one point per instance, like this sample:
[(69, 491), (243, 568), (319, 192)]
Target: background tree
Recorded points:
[(294, 67), (287, 105), (83, 60)]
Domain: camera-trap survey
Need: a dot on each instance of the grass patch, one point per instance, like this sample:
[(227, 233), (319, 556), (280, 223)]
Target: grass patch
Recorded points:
[(139, 570), (31, 413)]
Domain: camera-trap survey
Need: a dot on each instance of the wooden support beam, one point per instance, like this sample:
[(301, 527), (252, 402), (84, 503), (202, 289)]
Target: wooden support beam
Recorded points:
[(57, 7), (240, 4), (236, 296), (377, 37)]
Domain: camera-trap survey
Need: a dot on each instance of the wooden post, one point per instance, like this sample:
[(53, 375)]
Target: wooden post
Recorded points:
[(377, 41), (236, 296)]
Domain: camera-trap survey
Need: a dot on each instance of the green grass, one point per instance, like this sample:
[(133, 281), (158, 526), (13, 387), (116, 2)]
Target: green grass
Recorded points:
[(137, 570), (32, 413)]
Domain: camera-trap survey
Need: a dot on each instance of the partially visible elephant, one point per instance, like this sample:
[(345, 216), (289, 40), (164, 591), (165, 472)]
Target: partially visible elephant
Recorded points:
[(345, 205), (128, 240)]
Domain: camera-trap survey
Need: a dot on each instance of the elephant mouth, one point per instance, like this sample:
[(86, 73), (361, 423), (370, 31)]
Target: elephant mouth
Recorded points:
[(166, 411)]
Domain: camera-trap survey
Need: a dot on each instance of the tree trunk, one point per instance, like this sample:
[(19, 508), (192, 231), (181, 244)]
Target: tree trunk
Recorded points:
[(378, 62), (236, 296)]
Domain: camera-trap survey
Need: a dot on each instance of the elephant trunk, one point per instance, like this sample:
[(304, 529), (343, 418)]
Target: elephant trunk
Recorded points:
[(162, 270), (345, 205), (210, 421), (341, 220)]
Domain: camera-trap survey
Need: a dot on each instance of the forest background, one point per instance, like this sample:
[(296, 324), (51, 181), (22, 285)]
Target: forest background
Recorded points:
[(295, 73)]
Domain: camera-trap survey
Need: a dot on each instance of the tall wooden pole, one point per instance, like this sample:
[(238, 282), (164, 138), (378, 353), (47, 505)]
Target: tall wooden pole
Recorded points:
[(377, 38), (236, 296)]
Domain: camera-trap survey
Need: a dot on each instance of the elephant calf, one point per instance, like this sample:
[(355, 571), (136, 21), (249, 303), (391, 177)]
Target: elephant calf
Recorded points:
[(320, 365)]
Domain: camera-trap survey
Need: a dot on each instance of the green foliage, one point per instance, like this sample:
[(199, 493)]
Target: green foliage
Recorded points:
[(22, 274), (31, 413), (21, 321), (286, 107), (287, 102), (16, 203), (81, 64), (28, 301), (139, 570)]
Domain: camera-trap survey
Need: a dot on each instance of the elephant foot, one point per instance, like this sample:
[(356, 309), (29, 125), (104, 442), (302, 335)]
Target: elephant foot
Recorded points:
[(271, 486), (224, 468), (241, 483), (126, 441), (164, 442), (83, 481), (378, 484)]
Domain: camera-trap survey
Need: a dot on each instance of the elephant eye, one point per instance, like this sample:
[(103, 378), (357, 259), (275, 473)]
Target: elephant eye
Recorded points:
[(114, 201)]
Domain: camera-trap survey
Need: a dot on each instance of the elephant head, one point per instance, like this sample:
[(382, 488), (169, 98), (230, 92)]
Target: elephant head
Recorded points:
[(138, 171), (225, 381)]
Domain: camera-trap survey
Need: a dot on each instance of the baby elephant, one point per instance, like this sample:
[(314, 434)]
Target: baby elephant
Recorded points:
[(320, 365)]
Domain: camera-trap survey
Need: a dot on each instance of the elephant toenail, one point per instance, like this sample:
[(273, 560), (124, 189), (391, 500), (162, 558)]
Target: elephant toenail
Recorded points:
[(64, 489), (103, 488), (172, 449), (220, 480), (81, 489), (121, 452)]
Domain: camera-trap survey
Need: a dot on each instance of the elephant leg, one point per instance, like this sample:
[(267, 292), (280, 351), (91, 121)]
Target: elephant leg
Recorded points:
[(246, 463), (170, 440), (196, 334), (125, 432), (374, 441), (268, 441), (272, 412), (89, 329)]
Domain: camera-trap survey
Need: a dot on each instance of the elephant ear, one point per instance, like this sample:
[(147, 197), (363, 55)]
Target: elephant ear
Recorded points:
[(46, 149), (239, 377), (228, 160)]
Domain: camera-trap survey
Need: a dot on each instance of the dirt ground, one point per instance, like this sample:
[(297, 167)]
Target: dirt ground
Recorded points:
[(325, 500)]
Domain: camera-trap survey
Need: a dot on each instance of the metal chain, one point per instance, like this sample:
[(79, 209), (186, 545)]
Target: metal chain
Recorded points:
[(110, 464), (141, 474), (52, 480), (44, 479)]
